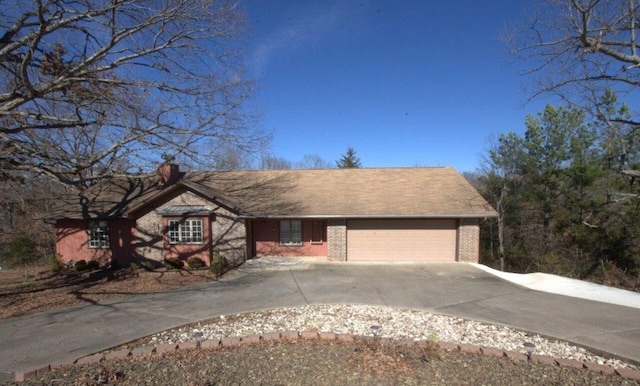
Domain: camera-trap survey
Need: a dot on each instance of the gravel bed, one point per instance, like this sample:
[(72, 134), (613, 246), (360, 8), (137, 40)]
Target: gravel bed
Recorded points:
[(398, 324), (318, 362)]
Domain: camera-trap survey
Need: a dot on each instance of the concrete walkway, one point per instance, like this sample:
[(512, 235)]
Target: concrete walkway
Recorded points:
[(454, 289)]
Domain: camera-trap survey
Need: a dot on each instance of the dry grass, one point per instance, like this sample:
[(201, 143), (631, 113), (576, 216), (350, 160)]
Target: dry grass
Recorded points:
[(38, 289)]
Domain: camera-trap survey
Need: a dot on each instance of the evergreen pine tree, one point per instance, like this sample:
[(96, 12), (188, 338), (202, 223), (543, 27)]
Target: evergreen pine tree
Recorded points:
[(349, 160)]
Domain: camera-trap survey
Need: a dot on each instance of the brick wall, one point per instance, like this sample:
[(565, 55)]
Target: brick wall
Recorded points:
[(229, 236), (228, 233), (468, 240), (337, 240), (148, 240)]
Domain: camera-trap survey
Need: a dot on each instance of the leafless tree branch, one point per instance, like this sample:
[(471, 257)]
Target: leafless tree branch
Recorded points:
[(83, 83)]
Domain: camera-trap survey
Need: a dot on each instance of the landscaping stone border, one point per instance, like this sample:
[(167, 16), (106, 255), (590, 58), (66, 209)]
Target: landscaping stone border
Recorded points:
[(36, 371)]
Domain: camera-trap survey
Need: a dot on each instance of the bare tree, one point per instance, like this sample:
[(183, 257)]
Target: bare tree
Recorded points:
[(586, 52), (500, 177), (91, 87), (313, 161), (270, 162), (578, 44)]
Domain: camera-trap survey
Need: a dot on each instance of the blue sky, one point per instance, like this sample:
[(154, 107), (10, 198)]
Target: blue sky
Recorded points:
[(405, 83)]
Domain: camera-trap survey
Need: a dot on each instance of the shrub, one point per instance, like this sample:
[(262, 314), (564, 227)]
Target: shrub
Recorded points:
[(21, 250), (92, 265), (173, 263), (134, 266), (218, 265), (80, 265), (55, 264), (148, 265), (195, 262)]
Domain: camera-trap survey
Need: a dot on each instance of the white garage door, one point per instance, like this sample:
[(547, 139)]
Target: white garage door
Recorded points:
[(401, 240)]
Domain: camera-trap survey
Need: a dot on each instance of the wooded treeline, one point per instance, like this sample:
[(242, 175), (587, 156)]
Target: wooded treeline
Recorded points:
[(567, 195)]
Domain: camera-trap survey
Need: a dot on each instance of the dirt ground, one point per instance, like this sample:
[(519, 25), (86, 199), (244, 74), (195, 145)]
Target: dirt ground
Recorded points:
[(37, 289)]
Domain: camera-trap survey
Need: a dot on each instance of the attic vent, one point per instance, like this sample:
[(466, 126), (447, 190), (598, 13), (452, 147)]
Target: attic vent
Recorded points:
[(182, 210)]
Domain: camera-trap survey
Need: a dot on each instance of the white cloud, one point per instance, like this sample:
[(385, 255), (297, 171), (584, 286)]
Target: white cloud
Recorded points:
[(307, 29)]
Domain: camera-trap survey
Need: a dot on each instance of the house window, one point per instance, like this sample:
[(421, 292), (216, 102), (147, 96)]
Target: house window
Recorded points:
[(185, 231), (98, 234), (290, 232)]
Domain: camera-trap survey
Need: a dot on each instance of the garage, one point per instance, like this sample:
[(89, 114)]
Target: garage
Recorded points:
[(427, 240)]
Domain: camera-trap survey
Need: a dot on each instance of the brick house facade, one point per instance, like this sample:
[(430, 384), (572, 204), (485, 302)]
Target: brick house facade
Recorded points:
[(396, 214)]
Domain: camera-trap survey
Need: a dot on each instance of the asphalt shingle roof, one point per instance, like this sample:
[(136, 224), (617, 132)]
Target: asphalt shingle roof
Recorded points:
[(366, 192)]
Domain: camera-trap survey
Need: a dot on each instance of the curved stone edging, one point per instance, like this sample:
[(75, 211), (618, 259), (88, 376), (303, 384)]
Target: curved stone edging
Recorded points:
[(329, 336)]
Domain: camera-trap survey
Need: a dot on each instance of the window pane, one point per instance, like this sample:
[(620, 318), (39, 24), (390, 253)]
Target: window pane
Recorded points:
[(284, 232), (290, 232), (185, 231), (174, 231), (196, 231), (98, 235), (296, 232)]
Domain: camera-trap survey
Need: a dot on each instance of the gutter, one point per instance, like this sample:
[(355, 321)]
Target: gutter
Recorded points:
[(333, 216)]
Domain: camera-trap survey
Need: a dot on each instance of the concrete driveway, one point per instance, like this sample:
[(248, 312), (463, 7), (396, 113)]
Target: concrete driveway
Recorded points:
[(454, 289)]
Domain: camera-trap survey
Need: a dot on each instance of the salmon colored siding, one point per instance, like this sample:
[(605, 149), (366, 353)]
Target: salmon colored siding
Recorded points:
[(72, 241), (266, 239), (186, 251)]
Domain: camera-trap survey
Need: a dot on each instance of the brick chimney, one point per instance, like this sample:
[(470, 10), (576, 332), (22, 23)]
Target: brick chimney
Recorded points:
[(168, 174)]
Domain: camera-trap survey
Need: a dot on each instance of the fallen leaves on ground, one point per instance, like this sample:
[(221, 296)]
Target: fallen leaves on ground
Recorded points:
[(37, 289)]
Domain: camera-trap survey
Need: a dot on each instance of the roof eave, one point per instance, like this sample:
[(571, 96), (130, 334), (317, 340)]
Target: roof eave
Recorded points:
[(371, 216)]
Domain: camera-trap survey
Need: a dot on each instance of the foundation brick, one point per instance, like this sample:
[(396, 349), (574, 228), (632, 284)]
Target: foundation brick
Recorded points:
[(210, 343), (60, 363), (309, 335), (448, 346), (188, 345), (145, 350), (492, 352), (95, 358), (629, 373), (271, 336), (570, 363), (469, 348), (42, 370), (545, 359), (289, 335), (119, 354), (166, 348), (345, 337), (602, 369), (327, 336), (251, 339), (23, 375), (230, 342), (427, 342), (516, 356)]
